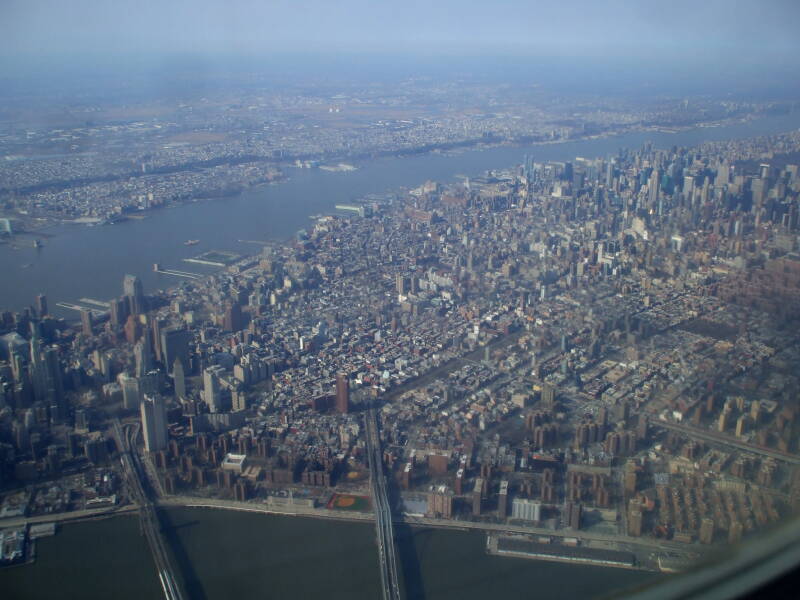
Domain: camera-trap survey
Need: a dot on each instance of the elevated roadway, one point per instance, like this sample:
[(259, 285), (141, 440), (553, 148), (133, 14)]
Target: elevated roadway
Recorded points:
[(134, 474), (387, 551)]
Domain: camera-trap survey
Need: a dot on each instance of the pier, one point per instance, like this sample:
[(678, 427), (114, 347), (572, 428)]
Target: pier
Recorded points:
[(185, 274)]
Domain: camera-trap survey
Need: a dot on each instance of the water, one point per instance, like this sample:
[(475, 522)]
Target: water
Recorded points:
[(101, 559), (82, 261), (226, 554)]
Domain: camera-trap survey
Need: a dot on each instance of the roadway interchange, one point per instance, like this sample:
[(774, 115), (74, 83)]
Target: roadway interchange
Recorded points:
[(134, 472), (387, 552)]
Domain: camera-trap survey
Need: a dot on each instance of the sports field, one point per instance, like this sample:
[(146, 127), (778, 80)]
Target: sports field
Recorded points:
[(349, 502)]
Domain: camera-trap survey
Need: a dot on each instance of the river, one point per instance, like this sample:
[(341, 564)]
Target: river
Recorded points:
[(226, 554), (80, 261)]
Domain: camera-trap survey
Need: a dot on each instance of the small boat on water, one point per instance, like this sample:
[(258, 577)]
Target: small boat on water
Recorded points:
[(191, 242)]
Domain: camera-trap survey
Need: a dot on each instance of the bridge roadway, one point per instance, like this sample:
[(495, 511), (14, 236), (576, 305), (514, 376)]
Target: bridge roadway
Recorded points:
[(134, 472), (390, 581)]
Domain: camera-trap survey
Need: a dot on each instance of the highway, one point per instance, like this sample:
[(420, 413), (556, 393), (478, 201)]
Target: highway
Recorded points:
[(134, 473), (387, 552)]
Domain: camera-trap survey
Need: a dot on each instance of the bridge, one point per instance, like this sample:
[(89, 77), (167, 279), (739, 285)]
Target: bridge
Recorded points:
[(134, 474), (387, 552)]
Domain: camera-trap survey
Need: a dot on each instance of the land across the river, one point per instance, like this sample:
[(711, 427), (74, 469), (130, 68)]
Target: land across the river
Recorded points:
[(76, 261)]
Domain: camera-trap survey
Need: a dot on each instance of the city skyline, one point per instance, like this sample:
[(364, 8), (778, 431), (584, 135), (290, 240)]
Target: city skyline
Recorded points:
[(355, 300)]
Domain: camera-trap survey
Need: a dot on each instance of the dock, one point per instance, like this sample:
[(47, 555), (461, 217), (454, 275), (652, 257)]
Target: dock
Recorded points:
[(97, 303), (80, 308), (185, 274)]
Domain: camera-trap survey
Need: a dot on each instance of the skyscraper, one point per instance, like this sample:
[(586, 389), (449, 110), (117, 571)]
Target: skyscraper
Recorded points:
[(134, 292), (131, 393), (174, 345), (154, 423), (548, 396), (117, 312), (179, 378), (502, 500), (86, 322), (212, 393), (653, 188), (342, 393), (132, 329), (144, 358), (233, 320), (41, 305)]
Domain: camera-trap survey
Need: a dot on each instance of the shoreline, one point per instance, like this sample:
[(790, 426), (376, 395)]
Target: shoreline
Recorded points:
[(440, 149), (491, 530)]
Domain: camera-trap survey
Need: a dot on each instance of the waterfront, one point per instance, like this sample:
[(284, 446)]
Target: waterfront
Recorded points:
[(80, 261), (224, 554)]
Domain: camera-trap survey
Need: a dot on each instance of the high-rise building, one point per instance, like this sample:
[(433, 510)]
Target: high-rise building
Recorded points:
[(179, 378), (45, 373), (342, 393), (134, 292), (86, 322), (131, 392), (572, 515), (477, 493), (548, 396), (238, 400), (175, 346), (402, 285), (653, 188), (502, 500), (635, 522), (117, 312), (233, 319), (440, 503), (158, 325), (144, 358), (212, 392), (154, 423), (706, 531), (41, 305), (132, 329)]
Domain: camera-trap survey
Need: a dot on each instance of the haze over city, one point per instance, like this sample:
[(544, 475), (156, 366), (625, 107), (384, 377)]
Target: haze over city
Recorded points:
[(419, 300)]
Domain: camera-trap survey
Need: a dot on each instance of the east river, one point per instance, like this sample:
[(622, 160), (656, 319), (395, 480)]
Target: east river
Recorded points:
[(227, 554), (89, 262)]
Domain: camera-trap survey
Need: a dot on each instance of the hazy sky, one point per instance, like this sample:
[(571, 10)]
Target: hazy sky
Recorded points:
[(43, 27)]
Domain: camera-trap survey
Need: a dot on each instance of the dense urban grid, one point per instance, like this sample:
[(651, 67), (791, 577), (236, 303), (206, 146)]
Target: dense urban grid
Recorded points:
[(99, 160), (592, 361)]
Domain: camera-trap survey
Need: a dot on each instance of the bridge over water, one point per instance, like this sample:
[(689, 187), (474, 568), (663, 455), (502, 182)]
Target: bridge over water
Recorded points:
[(387, 551), (134, 473)]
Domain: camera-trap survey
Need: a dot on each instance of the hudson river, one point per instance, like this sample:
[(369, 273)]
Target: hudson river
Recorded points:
[(80, 261), (227, 554)]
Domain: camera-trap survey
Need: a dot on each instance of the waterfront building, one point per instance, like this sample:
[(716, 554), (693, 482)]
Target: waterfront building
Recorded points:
[(502, 500), (526, 510)]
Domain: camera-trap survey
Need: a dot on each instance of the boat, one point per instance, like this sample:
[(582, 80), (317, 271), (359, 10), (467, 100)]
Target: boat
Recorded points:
[(191, 242), (37, 243)]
